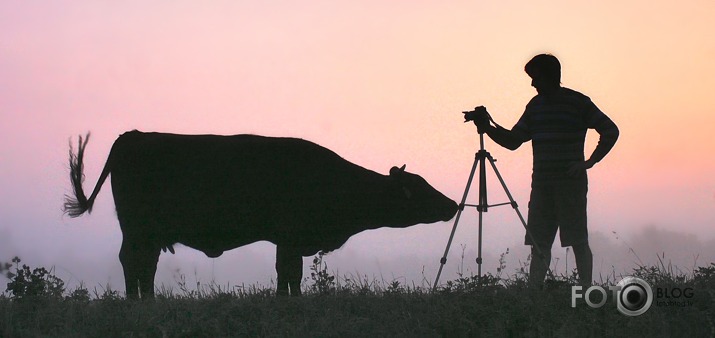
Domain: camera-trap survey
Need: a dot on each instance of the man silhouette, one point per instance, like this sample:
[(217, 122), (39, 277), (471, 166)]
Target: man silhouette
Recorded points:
[(556, 121)]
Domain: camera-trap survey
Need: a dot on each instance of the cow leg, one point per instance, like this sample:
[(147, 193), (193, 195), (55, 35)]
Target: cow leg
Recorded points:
[(289, 267), (139, 262)]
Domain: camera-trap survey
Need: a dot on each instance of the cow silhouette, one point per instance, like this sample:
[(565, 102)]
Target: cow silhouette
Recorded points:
[(215, 193)]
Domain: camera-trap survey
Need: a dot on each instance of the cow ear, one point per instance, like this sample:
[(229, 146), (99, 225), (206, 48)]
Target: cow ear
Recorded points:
[(397, 171)]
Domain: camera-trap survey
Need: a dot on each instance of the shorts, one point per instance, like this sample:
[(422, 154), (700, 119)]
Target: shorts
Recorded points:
[(558, 205)]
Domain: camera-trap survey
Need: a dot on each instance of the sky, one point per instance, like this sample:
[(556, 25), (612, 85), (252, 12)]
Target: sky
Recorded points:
[(380, 83)]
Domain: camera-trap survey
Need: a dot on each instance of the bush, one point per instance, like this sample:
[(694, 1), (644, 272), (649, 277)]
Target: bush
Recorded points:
[(38, 282), (323, 282)]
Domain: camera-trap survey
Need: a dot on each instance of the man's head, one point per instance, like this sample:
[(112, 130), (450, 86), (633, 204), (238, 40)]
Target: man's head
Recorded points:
[(545, 73)]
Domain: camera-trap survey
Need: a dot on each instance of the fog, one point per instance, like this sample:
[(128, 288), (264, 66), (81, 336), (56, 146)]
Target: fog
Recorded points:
[(382, 256)]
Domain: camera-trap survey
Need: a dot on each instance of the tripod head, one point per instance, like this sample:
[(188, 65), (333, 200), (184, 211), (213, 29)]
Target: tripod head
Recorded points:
[(481, 118)]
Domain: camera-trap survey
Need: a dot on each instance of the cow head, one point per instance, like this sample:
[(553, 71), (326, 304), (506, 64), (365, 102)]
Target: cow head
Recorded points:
[(417, 201)]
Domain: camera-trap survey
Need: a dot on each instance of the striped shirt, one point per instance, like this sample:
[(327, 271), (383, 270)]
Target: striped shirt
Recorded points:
[(557, 124)]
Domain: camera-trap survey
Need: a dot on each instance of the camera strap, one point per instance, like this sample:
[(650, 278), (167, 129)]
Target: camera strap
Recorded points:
[(495, 123)]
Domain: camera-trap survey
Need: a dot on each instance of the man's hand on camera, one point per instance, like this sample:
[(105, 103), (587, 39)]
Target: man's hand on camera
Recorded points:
[(482, 123), (481, 118)]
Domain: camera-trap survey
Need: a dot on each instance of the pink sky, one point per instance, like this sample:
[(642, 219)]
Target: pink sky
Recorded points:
[(381, 84)]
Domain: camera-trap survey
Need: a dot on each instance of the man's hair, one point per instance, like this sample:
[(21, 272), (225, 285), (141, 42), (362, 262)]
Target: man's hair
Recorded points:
[(545, 64)]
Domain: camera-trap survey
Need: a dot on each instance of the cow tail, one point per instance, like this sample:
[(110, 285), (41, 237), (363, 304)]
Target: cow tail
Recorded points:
[(78, 204)]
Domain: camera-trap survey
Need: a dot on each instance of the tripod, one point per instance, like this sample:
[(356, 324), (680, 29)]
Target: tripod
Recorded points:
[(480, 159)]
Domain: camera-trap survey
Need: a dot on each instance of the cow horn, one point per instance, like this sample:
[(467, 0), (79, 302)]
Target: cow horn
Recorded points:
[(397, 171)]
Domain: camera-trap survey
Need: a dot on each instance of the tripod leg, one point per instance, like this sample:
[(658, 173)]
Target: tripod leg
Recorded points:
[(443, 261), (542, 255), (483, 205), (479, 245)]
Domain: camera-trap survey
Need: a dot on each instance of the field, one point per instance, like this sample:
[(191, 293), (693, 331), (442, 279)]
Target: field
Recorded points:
[(36, 304)]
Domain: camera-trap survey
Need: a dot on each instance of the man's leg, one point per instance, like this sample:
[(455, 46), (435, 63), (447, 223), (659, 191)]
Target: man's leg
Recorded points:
[(541, 232), (584, 263), (574, 230), (539, 265)]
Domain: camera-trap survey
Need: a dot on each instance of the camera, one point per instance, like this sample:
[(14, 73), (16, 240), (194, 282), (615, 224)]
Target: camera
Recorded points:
[(479, 115)]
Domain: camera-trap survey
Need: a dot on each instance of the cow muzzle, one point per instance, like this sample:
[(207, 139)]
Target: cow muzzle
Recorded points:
[(451, 208)]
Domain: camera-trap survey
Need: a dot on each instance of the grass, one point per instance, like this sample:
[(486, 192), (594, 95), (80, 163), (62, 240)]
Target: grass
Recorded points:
[(350, 306)]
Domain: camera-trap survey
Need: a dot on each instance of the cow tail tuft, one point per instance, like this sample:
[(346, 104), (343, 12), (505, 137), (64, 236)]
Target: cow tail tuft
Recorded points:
[(77, 204)]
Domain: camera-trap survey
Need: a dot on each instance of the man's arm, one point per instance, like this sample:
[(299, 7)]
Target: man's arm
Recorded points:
[(608, 135), (510, 139)]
